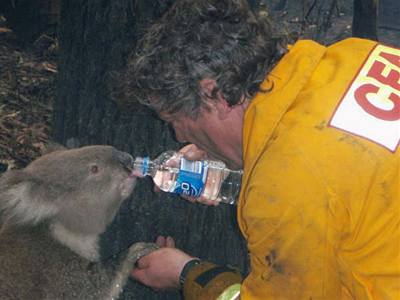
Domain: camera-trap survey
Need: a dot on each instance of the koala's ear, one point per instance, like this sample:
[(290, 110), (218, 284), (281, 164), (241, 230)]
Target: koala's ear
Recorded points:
[(73, 143), (51, 147), (19, 201)]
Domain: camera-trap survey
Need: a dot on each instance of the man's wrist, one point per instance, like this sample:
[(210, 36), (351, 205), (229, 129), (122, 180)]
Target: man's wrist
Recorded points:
[(188, 266), (207, 280)]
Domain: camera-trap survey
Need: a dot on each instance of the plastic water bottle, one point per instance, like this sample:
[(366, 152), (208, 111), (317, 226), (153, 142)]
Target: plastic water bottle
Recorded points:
[(173, 173)]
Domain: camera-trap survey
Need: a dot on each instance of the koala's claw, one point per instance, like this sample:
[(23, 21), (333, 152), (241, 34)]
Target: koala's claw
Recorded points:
[(135, 252), (140, 249)]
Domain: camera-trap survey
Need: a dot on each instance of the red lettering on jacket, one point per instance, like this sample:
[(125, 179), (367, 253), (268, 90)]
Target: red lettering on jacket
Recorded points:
[(392, 79), (387, 115)]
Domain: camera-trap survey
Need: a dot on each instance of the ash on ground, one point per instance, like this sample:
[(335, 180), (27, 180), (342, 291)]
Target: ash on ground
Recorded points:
[(27, 89)]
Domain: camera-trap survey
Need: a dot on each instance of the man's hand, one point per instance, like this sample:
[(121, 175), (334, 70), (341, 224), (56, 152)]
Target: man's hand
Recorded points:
[(192, 152), (161, 269)]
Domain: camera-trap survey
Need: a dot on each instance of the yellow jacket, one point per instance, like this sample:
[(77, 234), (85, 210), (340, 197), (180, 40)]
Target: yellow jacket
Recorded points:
[(320, 204)]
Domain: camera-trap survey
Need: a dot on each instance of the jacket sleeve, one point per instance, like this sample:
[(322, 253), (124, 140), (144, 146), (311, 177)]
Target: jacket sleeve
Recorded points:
[(209, 281)]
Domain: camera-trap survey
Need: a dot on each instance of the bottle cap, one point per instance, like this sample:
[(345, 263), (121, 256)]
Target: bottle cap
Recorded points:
[(145, 165)]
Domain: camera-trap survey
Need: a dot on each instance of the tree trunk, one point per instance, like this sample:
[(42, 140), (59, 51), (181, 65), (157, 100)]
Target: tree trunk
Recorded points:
[(364, 19), (389, 22), (320, 20), (28, 19), (95, 37)]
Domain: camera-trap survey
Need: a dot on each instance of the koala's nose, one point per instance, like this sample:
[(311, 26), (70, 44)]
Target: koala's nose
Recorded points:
[(124, 158)]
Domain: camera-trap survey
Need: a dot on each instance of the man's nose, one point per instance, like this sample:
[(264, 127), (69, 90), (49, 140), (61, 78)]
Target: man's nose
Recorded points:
[(180, 137)]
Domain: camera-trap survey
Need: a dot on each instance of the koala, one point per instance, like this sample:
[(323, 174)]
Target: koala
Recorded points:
[(51, 216)]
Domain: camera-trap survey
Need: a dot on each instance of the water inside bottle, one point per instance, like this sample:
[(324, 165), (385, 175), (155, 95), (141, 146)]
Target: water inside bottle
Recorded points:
[(215, 175), (165, 178)]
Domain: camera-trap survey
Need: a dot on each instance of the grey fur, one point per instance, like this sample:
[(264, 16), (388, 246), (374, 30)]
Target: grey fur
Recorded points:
[(52, 214)]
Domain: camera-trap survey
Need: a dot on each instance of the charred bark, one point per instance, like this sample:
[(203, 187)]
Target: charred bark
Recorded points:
[(365, 18), (322, 20), (28, 19), (389, 22), (95, 37)]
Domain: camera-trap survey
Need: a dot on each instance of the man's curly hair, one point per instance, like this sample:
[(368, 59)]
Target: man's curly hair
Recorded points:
[(196, 39)]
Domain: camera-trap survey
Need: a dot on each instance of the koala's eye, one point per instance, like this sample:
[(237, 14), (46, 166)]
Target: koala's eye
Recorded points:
[(94, 169)]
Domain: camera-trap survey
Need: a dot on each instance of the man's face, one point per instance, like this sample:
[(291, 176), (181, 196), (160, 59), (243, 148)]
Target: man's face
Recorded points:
[(220, 139)]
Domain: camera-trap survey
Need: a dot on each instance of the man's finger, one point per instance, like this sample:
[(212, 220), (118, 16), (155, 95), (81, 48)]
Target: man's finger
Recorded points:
[(192, 152), (208, 202), (190, 199), (169, 242), (161, 241), (188, 148), (165, 241)]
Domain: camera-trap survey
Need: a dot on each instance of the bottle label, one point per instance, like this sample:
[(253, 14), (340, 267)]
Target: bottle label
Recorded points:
[(191, 178)]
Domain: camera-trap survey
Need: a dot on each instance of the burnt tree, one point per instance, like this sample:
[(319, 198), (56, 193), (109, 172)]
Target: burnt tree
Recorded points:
[(95, 37), (29, 19), (365, 19), (321, 20)]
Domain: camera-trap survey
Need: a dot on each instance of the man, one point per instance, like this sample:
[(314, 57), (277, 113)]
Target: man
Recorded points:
[(316, 131)]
